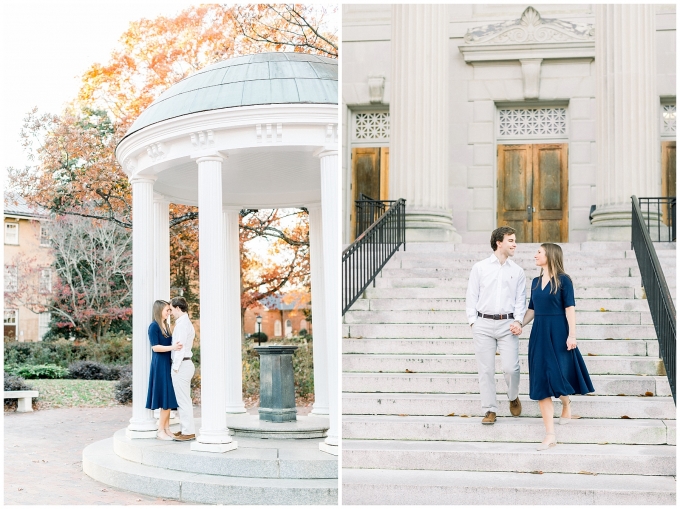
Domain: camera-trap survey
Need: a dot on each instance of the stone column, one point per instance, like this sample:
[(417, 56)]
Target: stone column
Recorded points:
[(161, 240), (232, 313), (627, 115), (330, 216), (142, 424), (318, 311), (213, 435), (419, 121)]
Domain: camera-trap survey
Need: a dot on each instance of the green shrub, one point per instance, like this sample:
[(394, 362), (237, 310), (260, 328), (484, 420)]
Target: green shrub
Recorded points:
[(90, 370), (33, 371), (123, 391)]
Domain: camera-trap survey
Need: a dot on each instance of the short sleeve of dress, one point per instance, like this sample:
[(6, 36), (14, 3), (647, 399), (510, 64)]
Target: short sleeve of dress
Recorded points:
[(567, 291), (154, 334), (531, 299)]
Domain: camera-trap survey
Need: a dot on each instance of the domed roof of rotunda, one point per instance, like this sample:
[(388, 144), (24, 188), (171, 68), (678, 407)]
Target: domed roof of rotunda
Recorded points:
[(258, 79)]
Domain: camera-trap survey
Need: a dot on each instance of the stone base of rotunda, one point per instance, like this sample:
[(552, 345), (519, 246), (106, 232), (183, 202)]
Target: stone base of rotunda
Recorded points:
[(259, 472), (612, 223), (430, 225), (306, 426)]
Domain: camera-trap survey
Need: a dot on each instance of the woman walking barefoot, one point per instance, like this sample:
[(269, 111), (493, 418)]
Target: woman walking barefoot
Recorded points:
[(161, 393), (556, 367)]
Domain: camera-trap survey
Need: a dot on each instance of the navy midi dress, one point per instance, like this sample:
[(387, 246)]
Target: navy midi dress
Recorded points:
[(161, 392), (554, 371)]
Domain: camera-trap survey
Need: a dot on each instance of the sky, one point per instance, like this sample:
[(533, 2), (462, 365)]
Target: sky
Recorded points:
[(46, 47)]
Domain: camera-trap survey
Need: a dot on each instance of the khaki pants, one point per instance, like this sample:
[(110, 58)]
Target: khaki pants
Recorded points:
[(181, 382), (488, 336)]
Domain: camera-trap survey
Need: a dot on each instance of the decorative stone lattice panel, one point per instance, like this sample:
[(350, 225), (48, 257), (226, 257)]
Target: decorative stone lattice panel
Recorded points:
[(668, 119), (372, 126), (532, 122)]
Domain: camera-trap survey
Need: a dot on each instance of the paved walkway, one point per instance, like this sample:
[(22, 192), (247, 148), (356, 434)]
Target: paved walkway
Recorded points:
[(44, 454)]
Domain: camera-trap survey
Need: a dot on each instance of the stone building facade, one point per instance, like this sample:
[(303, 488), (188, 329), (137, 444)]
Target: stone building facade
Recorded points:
[(482, 115)]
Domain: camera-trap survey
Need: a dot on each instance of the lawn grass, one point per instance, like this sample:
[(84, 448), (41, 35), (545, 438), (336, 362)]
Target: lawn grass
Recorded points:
[(74, 393)]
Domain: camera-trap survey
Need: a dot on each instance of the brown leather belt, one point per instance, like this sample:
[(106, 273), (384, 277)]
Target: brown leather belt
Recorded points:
[(187, 359), (496, 317)]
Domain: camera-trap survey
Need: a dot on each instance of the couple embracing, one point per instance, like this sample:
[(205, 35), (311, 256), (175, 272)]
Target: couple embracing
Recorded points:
[(171, 368), (496, 310)]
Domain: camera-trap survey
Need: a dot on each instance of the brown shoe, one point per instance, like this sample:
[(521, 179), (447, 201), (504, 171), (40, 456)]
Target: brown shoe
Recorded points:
[(177, 434), (184, 438), (489, 417), (515, 407)]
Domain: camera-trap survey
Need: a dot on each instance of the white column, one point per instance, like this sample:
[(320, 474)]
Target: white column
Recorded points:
[(330, 212), (419, 120), (627, 115), (142, 424), (318, 311), (213, 435), (232, 313), (161, 240)]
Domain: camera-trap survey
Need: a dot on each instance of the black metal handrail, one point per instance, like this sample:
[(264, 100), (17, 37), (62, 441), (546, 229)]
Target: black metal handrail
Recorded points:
[(363, 260), (368, 211), (662, 209), (658, 296)]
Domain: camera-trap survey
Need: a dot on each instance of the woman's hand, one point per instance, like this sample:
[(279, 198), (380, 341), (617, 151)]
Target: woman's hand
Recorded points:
[(571, 343), (177, 346)]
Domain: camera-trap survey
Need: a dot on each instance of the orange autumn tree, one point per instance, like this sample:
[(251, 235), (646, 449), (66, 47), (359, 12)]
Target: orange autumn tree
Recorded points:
[(73, 152)]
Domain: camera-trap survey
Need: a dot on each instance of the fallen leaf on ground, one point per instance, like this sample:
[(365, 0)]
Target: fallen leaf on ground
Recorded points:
[(608, 339), (104, 489), (602, 310), (403, 415), (536, 472), (592, 354), (648, 393), (451, 414), (584, 472), (620, 394), (463, 415), (602, 443), (625, 417), (409, 371)]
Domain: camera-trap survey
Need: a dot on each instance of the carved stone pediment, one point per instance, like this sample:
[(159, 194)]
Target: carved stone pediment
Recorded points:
[(531, 28)]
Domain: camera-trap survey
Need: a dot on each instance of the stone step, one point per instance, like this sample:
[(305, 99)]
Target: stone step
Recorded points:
[(284, 459), (567, 247), (460, 317), (390, 363), (614, 305), (444, 292), (462, 282), (648, 348), (612, 459), (445, 331), (507, 429), (445, 383), (426, 487), (464, 261), (102, 464), (530, 272), (595, 407)]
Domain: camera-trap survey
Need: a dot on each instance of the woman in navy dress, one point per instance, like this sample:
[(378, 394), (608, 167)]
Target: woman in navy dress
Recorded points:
[(556, 367), (161, 392)]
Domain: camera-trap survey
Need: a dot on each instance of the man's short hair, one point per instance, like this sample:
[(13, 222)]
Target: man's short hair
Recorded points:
[(499, 234), (180, 302)]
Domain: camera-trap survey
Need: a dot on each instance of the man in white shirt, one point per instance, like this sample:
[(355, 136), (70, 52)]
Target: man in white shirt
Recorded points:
[(183, 368), (495, 307)]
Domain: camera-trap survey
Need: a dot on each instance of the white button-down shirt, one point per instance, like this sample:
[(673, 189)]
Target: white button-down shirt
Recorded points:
[(496, 289), (183, 333)]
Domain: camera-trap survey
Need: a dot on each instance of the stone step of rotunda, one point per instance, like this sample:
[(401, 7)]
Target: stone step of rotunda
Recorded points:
[(446, 383), (273, 459), (426, 487), (462, 282), (390, 363), (648, 348), (460, 317), (433, 331), (461, 272), (595, 407), (612, 459), (603, 249), (102, 464), (507, 429), (444, 292), (601, 305)]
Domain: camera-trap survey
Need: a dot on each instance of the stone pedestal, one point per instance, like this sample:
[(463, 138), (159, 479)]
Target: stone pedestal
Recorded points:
[(627, 115), (420, 121), (277, 383)]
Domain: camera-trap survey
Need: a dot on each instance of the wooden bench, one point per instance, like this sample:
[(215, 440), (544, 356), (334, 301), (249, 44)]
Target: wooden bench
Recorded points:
[(25, 403)]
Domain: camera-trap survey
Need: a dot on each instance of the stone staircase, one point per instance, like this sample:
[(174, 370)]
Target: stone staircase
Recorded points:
[(411, 408)]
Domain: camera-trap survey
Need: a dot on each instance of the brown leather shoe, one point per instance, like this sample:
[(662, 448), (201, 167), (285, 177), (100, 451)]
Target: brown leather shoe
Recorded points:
[(184, 438), (489, 417), (516, 407), (178, 433)]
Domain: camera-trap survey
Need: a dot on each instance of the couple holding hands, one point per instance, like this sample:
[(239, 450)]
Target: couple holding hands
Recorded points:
[(172, 368), (496, 310)]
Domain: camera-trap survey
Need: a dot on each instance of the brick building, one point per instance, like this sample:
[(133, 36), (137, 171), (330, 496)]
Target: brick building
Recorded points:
[(280, 318)]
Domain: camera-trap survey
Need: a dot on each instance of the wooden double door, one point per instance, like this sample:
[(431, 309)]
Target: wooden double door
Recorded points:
[(533, 194), (370, 177)]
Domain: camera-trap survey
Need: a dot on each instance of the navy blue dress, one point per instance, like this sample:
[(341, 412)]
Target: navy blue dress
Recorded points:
[(161, 393), (554, 371)]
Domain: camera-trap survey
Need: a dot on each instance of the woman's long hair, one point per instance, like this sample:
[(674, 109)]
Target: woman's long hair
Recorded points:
[(553, 253), (158, 308)]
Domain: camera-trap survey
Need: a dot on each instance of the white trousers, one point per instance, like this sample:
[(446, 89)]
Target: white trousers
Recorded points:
[(181, 382), (488, 336)]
